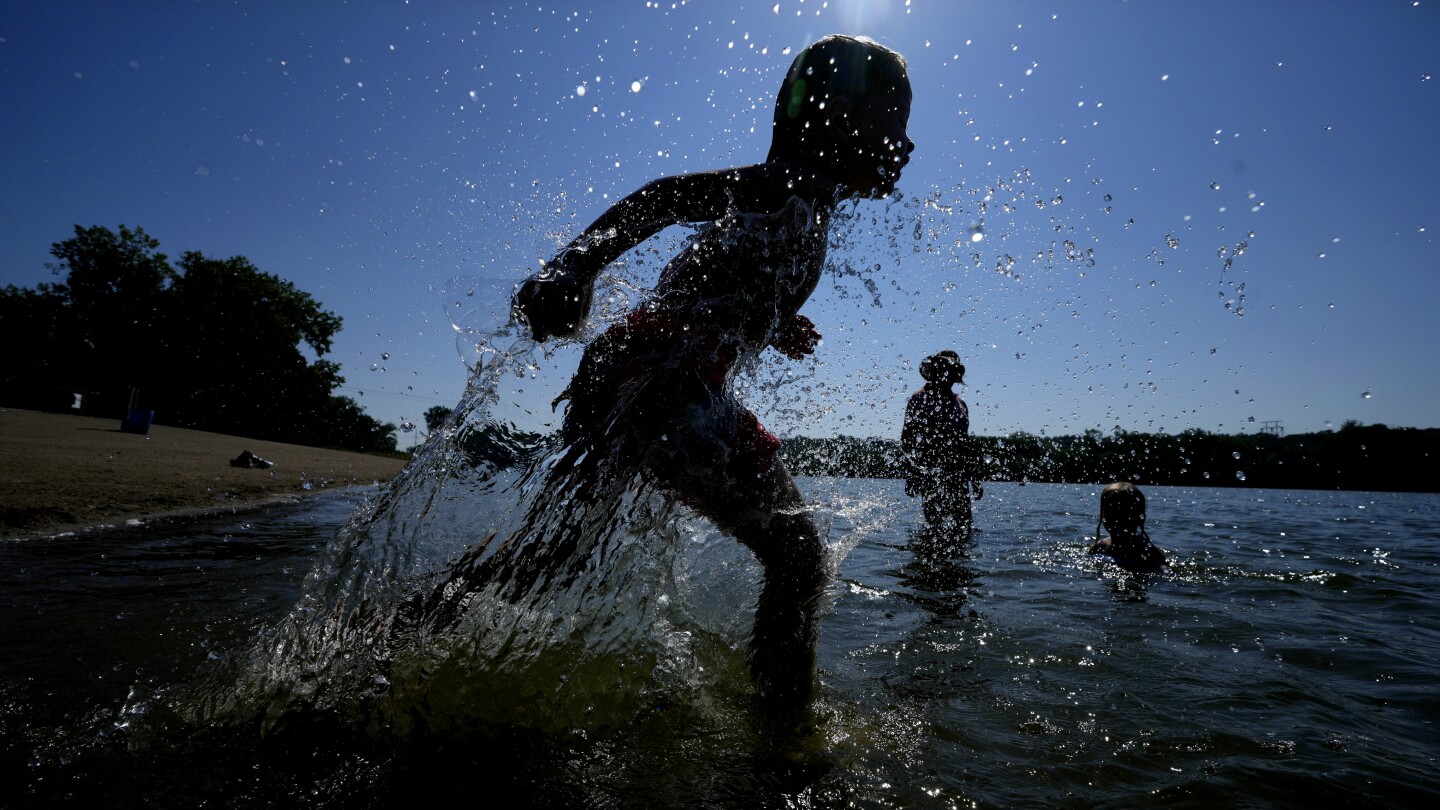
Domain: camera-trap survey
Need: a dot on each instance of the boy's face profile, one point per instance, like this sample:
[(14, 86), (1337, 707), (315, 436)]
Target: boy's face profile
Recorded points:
[(872, 142), (845, 104)]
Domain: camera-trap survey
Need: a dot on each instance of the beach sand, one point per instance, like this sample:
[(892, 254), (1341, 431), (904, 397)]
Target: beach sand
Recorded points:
[(60, 472)]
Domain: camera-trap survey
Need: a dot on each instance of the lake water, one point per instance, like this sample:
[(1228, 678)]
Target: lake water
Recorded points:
[(1291, 656)]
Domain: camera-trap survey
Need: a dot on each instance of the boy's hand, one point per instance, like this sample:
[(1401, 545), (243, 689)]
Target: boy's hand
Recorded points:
[(553, 303), (796, 337)]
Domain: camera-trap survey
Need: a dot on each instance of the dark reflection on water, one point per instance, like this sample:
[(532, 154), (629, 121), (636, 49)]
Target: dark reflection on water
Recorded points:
[(1289, 657), (89, 615)]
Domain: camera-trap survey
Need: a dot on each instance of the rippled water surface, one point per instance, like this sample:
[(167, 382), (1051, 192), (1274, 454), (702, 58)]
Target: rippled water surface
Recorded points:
[(1290, 656)]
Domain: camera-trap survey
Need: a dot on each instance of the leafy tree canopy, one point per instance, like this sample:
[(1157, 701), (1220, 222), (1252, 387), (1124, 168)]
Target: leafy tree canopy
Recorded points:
[(435, 417), (213, 344)]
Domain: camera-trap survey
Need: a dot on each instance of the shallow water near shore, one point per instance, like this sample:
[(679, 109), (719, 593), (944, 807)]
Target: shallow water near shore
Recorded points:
[(1290, 655)]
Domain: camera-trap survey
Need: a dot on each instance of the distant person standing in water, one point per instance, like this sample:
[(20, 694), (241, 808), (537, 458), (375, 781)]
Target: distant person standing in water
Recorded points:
[(940, 464), (654, 393), (1127, 544)]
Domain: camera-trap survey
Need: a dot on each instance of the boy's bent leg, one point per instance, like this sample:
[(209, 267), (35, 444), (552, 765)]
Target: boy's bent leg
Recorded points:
[(769, 517), (787, 617), (720, 461)]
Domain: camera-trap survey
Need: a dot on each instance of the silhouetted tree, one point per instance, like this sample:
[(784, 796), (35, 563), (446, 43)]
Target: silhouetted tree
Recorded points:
[(215, 344), (435, 417), (244, 335), (88, 333)]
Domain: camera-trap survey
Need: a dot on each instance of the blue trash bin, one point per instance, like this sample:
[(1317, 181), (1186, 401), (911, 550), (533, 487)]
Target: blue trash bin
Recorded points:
[(138, 421)]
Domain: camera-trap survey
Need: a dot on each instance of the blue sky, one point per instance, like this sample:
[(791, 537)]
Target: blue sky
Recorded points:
[(390, 157)]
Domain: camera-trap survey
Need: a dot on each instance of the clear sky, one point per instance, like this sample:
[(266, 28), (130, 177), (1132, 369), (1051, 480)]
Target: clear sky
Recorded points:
[(1084, 173)]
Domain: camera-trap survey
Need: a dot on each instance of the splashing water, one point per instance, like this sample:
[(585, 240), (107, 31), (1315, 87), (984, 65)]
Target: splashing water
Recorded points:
[(495, 582)]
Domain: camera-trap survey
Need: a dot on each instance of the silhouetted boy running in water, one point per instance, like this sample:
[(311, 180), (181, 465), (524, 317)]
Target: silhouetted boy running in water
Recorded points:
[(655, 391)]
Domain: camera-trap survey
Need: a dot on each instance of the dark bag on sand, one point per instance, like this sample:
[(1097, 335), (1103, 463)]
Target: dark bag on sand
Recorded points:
[(252, 461)]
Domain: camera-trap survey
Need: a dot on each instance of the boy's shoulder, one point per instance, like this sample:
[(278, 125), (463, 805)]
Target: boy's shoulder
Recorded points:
[(757, 188), (776, 179), (1141, 555)]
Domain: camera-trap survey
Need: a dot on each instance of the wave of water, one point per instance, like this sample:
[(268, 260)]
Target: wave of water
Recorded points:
[(499, 581)]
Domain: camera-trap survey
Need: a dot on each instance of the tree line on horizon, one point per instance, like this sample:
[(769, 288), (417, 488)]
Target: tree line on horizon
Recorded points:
[(218, 345), (1355, 457), (204, 343)]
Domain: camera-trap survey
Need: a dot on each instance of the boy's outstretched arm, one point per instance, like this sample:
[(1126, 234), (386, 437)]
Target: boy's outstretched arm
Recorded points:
[(555, 301)]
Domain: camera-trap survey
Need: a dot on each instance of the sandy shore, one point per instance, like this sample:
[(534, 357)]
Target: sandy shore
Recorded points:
[(60, 472)]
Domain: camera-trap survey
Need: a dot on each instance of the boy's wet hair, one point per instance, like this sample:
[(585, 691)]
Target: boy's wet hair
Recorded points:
[(1122, 503), (836, 66)]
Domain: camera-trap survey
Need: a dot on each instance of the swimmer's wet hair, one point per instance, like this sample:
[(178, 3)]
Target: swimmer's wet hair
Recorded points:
[(837, 65)]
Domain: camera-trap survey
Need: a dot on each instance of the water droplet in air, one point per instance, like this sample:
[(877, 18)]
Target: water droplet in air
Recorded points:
[(1239, 475), (636, 85), (1215, 186), (580, 90), (1235, 455), (1365, 395), (385, 355)]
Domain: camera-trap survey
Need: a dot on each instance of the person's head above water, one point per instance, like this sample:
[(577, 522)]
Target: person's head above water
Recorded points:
[(846, 102), (1122, 508), (943, 368)]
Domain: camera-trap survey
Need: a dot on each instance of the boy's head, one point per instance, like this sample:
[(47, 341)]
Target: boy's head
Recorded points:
[(943, 368), (1122, 507), (846, 101)]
